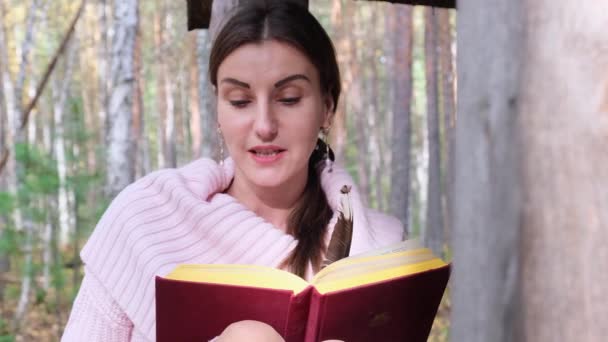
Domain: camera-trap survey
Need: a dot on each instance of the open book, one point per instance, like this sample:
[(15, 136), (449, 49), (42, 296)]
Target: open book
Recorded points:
[(390, 294)]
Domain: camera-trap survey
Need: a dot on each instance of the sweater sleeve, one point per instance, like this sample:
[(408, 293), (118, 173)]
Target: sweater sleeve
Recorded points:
[(95, 316)]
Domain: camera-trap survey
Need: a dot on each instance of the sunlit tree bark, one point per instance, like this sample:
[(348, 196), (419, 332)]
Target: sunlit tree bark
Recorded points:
[(7, 157), (120, 169), (60, 94)]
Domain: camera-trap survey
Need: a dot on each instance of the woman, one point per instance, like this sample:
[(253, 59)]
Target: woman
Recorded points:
[(275, 202)]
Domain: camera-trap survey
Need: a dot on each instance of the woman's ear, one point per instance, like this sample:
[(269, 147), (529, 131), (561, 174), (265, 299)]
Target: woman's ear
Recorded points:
[(328, 111)]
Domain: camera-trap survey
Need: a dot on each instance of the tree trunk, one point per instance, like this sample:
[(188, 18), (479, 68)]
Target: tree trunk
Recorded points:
[(104, 80), (161, 98), (207, 141), (169, 133), (47, 246), (168, 92), (434, 237), (354, 76), (76, 245), (487, 215), (402, 88), (120, 170), (338, 127), (447, 110), (7, 174), (564, 124), (60, 94), (374, 115), (195, 126), (220, 13), (531, 173), (140, 146), (13, 95), (387, 99)]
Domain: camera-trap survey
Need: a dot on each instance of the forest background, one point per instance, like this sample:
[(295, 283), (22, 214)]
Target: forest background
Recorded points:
[(64, 158)]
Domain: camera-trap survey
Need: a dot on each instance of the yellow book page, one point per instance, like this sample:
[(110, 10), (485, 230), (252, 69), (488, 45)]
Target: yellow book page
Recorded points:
[(400, 246), (243, 275), (377, 276), (377, 261), (367, 268)]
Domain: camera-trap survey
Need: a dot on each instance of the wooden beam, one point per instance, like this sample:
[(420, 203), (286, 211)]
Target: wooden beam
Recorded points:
[(199, 14), (432, 3), (199, 11)]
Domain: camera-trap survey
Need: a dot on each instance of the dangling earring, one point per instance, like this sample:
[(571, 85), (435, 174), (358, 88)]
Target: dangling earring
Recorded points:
[(220, 139), (329, 154)]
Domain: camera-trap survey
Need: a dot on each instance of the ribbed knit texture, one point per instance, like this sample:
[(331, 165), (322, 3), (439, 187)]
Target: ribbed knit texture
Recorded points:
[(177, 216)]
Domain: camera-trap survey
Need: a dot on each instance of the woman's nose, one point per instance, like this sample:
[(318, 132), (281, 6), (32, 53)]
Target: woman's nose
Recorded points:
[(266, 126)]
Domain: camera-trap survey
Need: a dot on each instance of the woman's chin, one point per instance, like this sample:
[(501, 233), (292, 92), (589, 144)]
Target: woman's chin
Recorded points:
[(272, 182)]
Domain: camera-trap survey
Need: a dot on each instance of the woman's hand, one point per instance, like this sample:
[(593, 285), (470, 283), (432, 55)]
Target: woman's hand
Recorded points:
[(252, 331)]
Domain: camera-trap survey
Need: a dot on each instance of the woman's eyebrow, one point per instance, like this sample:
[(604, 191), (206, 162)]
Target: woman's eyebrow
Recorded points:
[(291, 78), (235, 82)]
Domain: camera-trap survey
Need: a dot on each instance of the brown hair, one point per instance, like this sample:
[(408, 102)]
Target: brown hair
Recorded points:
[(291, 23)]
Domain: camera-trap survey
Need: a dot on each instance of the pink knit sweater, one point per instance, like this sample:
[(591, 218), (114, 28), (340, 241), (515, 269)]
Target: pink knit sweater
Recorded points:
[(176, 216)]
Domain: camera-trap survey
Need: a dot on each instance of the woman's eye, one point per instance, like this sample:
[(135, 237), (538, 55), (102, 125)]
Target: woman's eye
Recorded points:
[(239, 103), (289, 100)]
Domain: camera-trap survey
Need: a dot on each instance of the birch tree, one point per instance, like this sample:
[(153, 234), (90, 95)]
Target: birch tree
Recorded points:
[(13, 94), (141, 147), (7, 177), (60, 94), (194, 94), (120, 168)]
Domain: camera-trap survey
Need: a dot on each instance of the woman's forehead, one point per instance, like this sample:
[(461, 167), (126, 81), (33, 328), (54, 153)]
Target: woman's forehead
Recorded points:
[(267, 60)]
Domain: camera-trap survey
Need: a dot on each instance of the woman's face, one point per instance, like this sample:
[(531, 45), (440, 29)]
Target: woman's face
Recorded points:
[(270, 110)]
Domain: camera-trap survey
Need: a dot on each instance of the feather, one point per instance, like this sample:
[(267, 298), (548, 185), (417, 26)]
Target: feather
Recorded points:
[(339, 244)]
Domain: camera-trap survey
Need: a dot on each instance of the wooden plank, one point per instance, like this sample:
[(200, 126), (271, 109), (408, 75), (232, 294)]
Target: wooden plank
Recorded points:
[(199, 14), (199, 11), (432, 3)]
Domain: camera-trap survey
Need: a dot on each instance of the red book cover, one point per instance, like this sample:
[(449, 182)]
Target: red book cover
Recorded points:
[(194, 311), (398, 309)]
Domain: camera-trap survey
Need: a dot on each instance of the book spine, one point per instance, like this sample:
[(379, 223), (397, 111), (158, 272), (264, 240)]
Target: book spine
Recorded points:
[(295, 328), (315, 314)]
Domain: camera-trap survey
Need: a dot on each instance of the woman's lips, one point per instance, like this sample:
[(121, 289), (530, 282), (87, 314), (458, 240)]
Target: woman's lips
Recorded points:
[(267, 154)]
